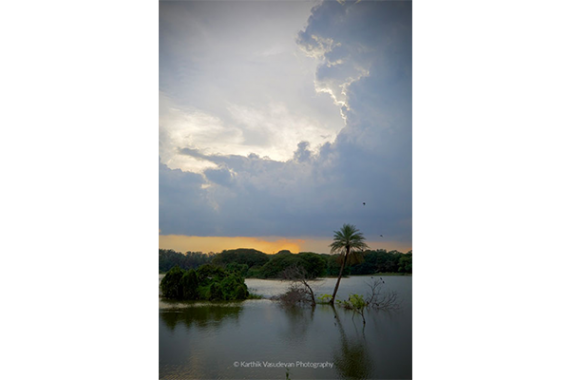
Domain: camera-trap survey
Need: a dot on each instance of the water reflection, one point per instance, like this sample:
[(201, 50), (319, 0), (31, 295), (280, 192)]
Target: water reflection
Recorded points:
[(351, 354), (299, 321), (203, 340), (201, 316), (352, 360)]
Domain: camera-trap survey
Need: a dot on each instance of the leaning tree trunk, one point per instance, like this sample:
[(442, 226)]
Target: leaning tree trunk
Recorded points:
[(340, 275)]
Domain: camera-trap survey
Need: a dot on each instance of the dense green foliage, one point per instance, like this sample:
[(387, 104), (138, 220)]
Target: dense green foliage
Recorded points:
[(315, 265), (168, 259), (256, 264), (209, 282), (381, 261), (247, 256)]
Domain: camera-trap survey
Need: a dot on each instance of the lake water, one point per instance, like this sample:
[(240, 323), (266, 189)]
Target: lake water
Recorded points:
[(260, 339)]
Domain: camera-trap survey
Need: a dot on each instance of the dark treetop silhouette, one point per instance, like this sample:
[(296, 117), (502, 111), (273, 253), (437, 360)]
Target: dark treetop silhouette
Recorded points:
[(347, 242)]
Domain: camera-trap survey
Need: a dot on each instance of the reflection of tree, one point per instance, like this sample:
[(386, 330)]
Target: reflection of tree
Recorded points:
[(299, 319), (353, 361), (200, 316)]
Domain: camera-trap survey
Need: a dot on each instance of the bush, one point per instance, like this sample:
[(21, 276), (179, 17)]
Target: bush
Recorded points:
[(209, 282), (190, 285), (294, 296), (216, 292), (171, 284), (241, 292)]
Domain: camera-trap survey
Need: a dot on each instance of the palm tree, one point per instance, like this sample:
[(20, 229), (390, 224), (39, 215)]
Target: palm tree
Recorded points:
[(347, 242)]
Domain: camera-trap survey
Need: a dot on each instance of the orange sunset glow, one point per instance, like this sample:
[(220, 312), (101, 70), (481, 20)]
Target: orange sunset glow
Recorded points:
[(182, 243)]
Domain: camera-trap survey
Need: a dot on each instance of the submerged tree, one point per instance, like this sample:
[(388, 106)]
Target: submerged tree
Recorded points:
[(300, 289), (347, 241)]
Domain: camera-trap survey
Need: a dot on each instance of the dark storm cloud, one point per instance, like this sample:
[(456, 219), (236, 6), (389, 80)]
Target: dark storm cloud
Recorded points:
[(365, 52)]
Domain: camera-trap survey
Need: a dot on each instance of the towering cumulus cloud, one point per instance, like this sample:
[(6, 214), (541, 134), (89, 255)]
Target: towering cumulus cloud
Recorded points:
[(354, 149)]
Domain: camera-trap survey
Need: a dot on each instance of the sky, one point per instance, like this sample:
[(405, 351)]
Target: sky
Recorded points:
[(281, 121)]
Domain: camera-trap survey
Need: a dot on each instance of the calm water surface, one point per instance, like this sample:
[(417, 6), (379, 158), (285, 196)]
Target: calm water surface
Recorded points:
[(199, 340)]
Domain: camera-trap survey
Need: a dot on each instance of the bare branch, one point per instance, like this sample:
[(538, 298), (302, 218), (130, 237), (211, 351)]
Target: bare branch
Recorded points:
[(379, 300), (300, 283)]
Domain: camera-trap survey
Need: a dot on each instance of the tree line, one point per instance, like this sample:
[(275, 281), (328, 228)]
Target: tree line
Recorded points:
[(168, 259), (252, 263)]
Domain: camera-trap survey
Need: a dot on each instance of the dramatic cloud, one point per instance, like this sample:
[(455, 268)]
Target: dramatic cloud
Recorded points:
[(234, 81), (295, 150)]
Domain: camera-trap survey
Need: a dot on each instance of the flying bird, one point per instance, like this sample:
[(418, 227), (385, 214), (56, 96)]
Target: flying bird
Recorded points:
[(364, 203), (381, 236)]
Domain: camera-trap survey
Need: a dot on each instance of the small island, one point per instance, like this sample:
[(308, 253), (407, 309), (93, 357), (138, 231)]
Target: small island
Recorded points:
[(209, 282)]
